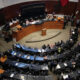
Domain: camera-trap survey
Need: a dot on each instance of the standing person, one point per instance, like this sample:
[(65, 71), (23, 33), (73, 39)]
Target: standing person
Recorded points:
[(27, 22), (46, 12), (65, 22), (77, 23), (72, 19)]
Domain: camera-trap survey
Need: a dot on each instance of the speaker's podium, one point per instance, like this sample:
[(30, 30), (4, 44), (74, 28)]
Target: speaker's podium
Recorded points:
[(43, 32)]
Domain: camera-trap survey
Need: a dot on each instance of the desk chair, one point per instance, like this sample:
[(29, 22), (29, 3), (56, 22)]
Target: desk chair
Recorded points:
[(41, 17), (48, 77)]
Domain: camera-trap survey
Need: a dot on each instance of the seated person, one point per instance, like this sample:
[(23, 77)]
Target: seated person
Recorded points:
[(44, 46), (27, 22), (31, 19), (50, 17), (14, 20), (19, 27), (6, 27), (10, 23), (59, 49), (59, 19)]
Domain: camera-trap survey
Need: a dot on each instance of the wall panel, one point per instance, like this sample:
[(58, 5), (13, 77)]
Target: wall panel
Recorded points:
[(13, 10)]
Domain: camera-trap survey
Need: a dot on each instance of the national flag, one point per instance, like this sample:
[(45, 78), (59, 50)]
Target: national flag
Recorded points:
[(64, 2)]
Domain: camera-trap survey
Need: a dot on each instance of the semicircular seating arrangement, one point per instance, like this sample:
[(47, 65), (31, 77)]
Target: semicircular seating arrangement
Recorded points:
[(26, 63)]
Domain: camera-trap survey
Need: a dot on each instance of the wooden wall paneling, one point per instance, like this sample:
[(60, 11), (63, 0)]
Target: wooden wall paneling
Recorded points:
[(68, 9), (50, 6), (13, 10), (78, 9)]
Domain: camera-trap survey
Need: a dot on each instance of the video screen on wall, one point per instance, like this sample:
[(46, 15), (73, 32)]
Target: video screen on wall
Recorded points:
[(32, 10)]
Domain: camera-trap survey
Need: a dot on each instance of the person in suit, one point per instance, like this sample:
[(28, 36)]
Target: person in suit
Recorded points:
[(46, 12), (44, 46), (65, 22), (77, 23), (27, 22), (72, 19)]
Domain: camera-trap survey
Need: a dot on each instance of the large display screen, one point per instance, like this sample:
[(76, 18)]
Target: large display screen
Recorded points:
[(32, 10)]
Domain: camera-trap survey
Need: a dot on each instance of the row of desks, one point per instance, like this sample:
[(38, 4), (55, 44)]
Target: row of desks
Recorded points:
[(22, 65), (27, 49), (28, 57), (71, 75), (15, 75), (37, 58)]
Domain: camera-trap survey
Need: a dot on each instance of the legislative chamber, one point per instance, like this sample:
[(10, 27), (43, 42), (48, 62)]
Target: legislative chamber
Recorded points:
[(40, 40)]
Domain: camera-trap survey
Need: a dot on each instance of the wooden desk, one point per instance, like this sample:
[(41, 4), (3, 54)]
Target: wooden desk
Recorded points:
[(33, 28), (43, 32)]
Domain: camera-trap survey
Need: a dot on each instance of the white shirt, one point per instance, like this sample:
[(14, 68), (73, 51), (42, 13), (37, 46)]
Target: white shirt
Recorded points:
[(10, 23)]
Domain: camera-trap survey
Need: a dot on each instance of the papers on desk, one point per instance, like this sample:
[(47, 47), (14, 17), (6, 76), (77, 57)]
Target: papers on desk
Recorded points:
[(65, 64), (14, 21), (31, 57), (39, 50), (33, 22), (18, 46), (45, 68), (39, 58), (10, 23), (20, 65), (28, 57), (11, 75), (22, 78), (58, 66), (43, 50), (16, 64), (24, 56), (13, 53), (65, 76), (59, 15)]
